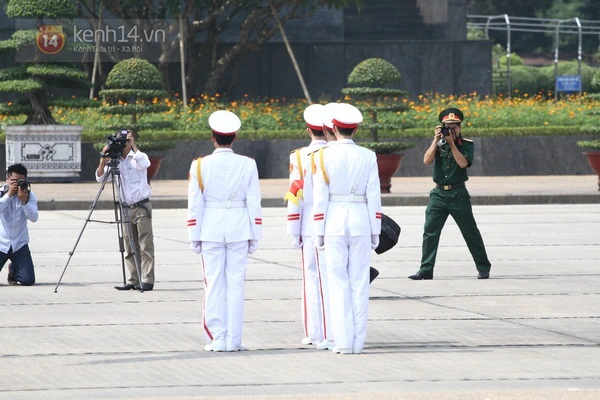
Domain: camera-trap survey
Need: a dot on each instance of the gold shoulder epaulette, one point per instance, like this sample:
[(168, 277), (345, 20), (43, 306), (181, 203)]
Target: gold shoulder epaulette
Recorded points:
[(298, 149), (468, 140)]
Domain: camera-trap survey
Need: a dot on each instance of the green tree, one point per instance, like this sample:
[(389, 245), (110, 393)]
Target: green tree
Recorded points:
[(32, 81)]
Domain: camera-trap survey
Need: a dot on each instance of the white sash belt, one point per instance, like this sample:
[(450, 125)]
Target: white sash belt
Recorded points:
[(225, 204), (348, 198)]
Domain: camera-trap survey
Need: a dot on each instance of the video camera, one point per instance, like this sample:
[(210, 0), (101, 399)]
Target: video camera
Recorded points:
[(116, 144)]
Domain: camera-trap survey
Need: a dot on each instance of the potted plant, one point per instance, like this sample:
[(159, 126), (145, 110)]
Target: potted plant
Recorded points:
[(593, 155), (134, 88), (49, 150), (369, 80)]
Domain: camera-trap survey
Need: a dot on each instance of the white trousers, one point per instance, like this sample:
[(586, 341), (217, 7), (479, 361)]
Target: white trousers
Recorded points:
[(348, 260), (224, 267), (315, 298)]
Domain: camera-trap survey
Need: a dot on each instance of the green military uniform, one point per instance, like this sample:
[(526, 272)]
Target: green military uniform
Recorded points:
[(450, 197)]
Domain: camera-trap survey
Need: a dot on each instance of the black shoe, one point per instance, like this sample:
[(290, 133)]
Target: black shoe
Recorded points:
[(419, 276), (11, 275), (145, 287), (373, 273), (129, 286), (483, 275)]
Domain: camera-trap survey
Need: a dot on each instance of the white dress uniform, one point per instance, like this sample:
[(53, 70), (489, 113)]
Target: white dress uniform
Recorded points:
[(347, 212), (225, 216), (315, 314)]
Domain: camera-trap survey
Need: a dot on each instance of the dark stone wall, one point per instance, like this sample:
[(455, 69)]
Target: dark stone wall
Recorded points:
[(534, 155), (441, 66)]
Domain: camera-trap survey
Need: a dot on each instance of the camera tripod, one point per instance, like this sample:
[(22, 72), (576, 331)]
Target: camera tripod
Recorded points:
[(122, 220)]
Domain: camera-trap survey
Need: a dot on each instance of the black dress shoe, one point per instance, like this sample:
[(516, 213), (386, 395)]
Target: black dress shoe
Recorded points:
[(373, 273), (11, 275), (421, 275), (145, 287), (483, 275), (129, 286)]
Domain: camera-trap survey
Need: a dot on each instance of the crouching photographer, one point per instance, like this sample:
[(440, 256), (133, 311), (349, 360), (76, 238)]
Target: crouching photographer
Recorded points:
[(122, 150), (17, 205)]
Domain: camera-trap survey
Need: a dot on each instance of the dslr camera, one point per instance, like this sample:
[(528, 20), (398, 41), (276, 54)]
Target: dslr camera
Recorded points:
[(24, 185), (445, 131), (116, 144)]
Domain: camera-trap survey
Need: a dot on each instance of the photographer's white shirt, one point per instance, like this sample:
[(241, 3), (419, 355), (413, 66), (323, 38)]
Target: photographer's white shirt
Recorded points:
[(134, 179), (13, 220)]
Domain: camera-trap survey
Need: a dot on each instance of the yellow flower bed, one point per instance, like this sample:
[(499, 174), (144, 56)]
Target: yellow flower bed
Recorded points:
[(286, 114)]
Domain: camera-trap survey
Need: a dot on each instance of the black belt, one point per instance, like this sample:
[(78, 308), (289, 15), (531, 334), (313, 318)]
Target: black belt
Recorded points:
[(450, 187), (139, 203)]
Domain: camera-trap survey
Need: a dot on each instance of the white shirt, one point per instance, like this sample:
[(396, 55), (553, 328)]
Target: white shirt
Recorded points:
[(14, 216), (134, 178), (227, 177)]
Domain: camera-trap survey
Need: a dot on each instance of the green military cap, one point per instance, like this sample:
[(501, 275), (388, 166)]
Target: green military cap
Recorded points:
[(451, 115)]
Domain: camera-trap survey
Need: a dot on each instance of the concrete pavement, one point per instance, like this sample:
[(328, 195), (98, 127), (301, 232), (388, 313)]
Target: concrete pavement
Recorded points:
[(532, 331), (491, 190)]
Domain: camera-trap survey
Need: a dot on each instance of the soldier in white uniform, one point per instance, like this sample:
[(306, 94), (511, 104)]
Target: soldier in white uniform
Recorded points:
[(315, 316), (224, 226), (347, 223)]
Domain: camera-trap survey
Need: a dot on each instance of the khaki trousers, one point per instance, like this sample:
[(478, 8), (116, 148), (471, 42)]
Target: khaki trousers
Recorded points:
[(141, 229)]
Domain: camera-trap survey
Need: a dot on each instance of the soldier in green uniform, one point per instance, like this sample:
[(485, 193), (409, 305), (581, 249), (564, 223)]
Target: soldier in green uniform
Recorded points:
[(452, 155)]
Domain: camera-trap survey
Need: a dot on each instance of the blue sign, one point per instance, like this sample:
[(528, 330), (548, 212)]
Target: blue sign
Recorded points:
[(568, 83)]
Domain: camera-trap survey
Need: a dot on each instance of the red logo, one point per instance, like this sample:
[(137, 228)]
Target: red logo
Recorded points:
[(50, 39)]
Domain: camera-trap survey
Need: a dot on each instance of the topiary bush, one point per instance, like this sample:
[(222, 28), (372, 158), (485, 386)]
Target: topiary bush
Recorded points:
[(32, 82), (374, 72), (133, 88), (134, 73), (370, 76)]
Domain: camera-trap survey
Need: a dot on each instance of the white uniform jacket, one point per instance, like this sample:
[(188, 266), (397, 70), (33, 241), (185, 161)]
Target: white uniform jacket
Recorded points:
[(351, 200), (229, 180), (300, 219)]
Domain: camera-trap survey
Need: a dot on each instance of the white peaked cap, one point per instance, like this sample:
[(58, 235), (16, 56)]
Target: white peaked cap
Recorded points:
[(313, 116), (347, 116), (327, 114), (224, 123)]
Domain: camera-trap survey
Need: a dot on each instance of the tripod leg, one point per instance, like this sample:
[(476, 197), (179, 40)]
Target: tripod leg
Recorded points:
[(92, 207), (119, 218)]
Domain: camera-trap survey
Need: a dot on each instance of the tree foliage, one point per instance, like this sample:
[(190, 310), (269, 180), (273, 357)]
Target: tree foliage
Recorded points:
[(555, 9), (209, 20), (34, 80)]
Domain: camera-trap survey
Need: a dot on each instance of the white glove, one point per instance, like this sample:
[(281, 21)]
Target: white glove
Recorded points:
[(374, 241), (252, 246), (320, 242), (196, 247), (297, 242)]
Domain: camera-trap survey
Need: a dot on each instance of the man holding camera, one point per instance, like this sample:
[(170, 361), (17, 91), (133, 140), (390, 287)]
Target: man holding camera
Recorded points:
[(136, 192), (17, 205), (452, 155)]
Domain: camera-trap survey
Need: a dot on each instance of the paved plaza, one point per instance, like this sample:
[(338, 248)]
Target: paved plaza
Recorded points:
[(532, 331)]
